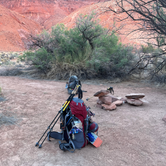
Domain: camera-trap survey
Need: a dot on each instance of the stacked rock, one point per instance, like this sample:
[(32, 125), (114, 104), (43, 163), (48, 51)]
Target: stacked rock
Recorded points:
[(107, 101), (134, 98)]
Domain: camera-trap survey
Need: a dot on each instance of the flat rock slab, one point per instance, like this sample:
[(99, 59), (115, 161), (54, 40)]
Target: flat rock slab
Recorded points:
[(135, 95), (101, 93)]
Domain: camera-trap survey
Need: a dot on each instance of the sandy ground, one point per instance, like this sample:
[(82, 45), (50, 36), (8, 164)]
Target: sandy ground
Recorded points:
[(132, 136)]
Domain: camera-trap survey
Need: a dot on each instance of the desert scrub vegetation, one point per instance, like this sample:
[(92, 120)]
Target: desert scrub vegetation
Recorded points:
[(150, 18), (88, 50), (1, 95), (6, 117)]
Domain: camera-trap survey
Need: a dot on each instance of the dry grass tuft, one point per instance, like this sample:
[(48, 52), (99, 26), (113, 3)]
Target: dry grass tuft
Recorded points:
[(65, 70), (7, 119)]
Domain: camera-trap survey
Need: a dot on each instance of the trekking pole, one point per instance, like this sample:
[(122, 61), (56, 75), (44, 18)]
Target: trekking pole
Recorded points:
[(49, 127), (89, 98), (47, 130), (60, 111)]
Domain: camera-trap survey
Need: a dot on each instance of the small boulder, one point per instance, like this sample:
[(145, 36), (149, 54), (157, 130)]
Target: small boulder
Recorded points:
[(99, 102), (106, 99), (101, 93), (135, 102), (118, 102), (110, 107), (113, 97)]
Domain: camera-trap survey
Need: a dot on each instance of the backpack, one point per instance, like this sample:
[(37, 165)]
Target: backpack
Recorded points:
[(75, 125), (82, 112), (79, 110), (73, 81)]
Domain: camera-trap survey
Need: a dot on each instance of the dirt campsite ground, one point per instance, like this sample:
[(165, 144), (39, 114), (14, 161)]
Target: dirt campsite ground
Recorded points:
[(132, 136)]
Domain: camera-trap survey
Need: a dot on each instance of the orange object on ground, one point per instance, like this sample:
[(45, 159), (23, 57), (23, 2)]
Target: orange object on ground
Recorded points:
[(94, 139)]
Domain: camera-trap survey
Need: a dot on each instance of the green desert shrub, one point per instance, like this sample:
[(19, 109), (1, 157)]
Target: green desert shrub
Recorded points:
[(87, 48), (41, 59), (149, 48)]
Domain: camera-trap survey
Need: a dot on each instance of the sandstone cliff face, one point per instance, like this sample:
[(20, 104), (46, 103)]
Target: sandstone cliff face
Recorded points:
[(35, 15), (109, 20), (43, 10), (37, 10), (15, 30)]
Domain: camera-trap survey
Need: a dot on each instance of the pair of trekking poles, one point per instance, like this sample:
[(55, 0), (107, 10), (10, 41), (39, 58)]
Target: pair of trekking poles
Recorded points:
[(60, 112)]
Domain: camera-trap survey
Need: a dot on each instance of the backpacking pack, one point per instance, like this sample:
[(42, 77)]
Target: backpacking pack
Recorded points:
[(75, 125), (78, 109)]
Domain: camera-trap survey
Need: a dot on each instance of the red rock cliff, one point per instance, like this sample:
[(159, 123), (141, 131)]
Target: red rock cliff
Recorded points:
[(109, 20), (14, 27), (15, 30), (42, 10)]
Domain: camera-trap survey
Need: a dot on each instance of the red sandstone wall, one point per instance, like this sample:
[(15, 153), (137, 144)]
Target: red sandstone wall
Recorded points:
[(42, 10), (15, 30)]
